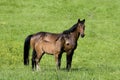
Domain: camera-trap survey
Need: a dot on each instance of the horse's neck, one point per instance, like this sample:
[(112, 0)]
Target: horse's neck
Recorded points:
[(75, 34)]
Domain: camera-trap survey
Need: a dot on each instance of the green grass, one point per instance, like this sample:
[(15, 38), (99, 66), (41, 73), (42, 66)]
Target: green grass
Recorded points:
[(97, 56)]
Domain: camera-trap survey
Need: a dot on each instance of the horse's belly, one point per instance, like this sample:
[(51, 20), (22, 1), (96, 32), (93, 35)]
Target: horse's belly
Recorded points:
[(51, 48)]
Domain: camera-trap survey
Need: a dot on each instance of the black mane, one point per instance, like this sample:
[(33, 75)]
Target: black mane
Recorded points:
[(73, 28)]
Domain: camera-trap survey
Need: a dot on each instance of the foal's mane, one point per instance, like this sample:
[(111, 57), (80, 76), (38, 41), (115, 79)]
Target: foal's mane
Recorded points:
[(73, 28)]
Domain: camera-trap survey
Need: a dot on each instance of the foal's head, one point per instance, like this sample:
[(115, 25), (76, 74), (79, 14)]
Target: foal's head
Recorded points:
[(81, 27)]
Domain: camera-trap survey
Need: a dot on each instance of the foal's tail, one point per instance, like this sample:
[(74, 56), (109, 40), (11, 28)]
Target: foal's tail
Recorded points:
[(26, 49)]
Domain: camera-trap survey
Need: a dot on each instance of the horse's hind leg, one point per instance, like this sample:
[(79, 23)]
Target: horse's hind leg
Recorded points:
[(39, 55), (33, 59)]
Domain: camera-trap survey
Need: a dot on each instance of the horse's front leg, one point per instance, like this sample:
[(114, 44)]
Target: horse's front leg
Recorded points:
[(69, 59), (58, 60)]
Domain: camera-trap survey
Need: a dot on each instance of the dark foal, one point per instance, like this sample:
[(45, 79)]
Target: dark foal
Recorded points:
[(55, 44)]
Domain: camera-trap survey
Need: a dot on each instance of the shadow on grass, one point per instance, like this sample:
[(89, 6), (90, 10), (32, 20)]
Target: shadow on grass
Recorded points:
[(74, 69), (77, 69)]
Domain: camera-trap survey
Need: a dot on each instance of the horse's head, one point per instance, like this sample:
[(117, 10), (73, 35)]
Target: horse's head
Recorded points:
[(81, 27)]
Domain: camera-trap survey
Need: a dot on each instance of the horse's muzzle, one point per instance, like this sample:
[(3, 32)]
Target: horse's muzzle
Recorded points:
[(82, 35)]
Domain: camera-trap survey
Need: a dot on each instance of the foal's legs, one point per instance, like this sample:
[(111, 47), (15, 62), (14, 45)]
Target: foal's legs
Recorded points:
[(69, 59)]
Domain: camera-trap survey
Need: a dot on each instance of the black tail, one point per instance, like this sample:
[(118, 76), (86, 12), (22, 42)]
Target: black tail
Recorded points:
[(26, 49)]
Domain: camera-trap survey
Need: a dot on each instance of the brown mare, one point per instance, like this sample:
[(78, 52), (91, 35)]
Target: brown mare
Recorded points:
[(55, 44)]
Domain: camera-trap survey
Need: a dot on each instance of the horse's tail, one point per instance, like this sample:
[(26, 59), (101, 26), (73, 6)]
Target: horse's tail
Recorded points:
[(26, 49)]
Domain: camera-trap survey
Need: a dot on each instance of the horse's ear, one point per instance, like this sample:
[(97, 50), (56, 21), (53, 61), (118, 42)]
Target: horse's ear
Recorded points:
[(78, 20), (83, 21)]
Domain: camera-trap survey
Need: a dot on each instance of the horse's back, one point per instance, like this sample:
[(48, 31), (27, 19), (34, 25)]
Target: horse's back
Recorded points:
[(47, 41)]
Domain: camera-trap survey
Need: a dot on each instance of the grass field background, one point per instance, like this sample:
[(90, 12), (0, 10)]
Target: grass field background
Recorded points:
[(97, 56)]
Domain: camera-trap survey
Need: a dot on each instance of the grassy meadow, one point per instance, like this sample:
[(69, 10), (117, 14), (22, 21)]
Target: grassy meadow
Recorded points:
[(97, 56)]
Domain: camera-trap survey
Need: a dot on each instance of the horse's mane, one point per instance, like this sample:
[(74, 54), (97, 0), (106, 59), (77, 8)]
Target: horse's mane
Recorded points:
[(73, 28)]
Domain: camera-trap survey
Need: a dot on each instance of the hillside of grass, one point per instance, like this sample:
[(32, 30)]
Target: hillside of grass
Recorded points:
[(97, 56)]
